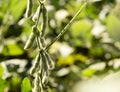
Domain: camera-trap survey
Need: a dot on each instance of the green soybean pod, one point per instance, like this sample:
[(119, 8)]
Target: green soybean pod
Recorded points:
[(45, 78), (44, 60), (40, 81), (37, 13), (50, 62), (40, 71), (31, 38), (29, 8), (45, 20), (36, 64), (37, 81), (41, 85)]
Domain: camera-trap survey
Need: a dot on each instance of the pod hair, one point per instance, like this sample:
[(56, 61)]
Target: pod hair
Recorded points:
[(29, 8)]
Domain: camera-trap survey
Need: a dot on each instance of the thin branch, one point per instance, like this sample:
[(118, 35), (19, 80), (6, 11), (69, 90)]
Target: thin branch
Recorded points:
[(66, 27)]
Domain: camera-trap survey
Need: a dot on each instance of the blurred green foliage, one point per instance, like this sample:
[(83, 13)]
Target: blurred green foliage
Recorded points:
[(26, 85), (92, 39)]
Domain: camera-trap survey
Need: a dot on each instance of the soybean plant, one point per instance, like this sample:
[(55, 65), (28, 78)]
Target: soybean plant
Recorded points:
[(43, 62)]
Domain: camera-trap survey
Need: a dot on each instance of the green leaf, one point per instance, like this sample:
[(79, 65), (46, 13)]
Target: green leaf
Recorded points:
[(4, 5), (1, 70), (69, 60), (81, 32), (80, 28), (26, 85), (17, 8), (91, 11), (88, 72), (3, 85), (113, 27), (12, 50), (96, 51), (15, 82)]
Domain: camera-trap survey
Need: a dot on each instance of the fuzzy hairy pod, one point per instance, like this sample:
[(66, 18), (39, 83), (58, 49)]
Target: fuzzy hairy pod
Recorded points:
[(29, 8), (31, 38), (45, 20), (50, 62), (36, 64), (40, 71), (36, 84), (40, 82), (45, 78), (37, 14), (44, 60), (45, 71)]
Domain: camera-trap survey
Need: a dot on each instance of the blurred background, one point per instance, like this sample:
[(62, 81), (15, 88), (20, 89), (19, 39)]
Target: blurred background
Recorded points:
[(87, 56)]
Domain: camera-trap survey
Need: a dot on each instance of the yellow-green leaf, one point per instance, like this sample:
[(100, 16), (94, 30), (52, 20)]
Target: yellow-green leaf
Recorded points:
[(113, 27), (1, 70), (26, 85), (12, 50)]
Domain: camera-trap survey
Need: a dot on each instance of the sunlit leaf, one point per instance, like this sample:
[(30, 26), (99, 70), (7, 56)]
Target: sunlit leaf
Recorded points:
[(88, 72), (3, 85), (65, 60), (91, 11), (17, 8), (15, 82), (97, 51), (81, 31), (26, 85), (80, 57), (12, 49), (80, 28), (1, 70), (4, 5), (113, 27)]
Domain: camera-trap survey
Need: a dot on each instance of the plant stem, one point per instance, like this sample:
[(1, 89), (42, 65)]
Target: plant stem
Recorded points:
[(66, 27)]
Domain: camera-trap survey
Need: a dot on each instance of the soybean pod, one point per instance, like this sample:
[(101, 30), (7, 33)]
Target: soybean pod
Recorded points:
[(37, 81), (37, 14), (29, 8), (45, 20), (50, 62), (40, 71), (31, 38), (40, 82), (45, 78), (45, 68), (36, 64), (44, 60)]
